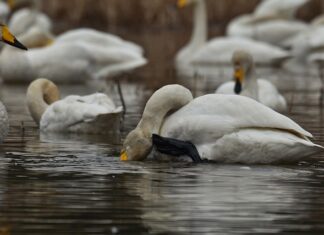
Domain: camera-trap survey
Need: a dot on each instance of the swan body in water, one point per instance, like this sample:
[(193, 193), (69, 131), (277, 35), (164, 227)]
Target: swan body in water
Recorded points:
[(8, 38), (92, 114), (223, 128), (247, 84), (201, 53), (67, 62)]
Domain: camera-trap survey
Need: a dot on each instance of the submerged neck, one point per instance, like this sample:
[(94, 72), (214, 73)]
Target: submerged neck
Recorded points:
[(167, 99), (40, 94)]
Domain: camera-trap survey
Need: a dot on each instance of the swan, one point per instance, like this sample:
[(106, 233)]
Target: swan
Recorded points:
[(248, 85), (222, 128), (92, 114), (285, 9), (268, 29), (7, 37), (67, 62), (22, 20), (219, 50)]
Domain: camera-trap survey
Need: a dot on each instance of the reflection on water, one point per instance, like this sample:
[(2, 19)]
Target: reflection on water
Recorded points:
[(68, 184)]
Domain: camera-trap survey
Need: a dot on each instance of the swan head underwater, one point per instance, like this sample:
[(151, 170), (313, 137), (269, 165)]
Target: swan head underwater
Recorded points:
[(243, 66), (7, 37)]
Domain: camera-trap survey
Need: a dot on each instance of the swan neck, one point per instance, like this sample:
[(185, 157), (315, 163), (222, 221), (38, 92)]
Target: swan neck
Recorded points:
[(163, 102), (40, 94), (199, 35), (251, 84)]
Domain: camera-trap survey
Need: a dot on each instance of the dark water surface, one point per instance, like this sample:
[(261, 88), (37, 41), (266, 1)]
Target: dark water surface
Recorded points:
[(76, 185)]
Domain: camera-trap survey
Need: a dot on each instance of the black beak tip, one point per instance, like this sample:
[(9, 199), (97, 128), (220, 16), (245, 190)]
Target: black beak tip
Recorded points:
[(17, 44), (20, 45), (238, 88)]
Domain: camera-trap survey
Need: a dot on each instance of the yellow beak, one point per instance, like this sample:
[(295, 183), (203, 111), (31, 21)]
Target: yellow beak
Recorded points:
[(10, 39), (239, 79), (182, 3), (239, 75), (123, 156)]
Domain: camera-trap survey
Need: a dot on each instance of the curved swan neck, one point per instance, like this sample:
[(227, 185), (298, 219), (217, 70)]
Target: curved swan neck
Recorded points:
[(40, 94), (167, 99)]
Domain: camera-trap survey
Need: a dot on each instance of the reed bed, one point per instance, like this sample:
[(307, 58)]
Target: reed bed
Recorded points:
[(143, 14)]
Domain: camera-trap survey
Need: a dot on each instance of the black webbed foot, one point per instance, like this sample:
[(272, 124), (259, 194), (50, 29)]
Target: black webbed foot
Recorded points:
[(176, 148)]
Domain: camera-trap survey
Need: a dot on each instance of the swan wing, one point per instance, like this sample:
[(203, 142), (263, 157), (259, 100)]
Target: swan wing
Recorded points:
[(98, 38), (220, 50), (211, 117), (74, 110), (270, 96), (285, 8)]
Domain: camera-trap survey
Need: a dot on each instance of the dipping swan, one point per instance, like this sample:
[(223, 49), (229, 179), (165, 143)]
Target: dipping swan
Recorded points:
[(224, 128), (219, 50), (92, 114), (6, 37), (247, 84)]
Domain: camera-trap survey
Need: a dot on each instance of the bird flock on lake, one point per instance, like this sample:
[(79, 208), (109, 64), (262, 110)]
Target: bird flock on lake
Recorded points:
[(243, 121)]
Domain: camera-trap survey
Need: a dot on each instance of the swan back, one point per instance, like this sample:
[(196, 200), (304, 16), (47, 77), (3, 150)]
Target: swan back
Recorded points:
[(40, 94), (285, 9)]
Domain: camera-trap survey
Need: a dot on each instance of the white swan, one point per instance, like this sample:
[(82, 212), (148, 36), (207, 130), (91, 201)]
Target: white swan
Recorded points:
[(248, 85), (22, 20), (69, 62), (285, 9), (93, 114), (219, 50), (6, 37), (270, 29), (96, 37), (224, 128)]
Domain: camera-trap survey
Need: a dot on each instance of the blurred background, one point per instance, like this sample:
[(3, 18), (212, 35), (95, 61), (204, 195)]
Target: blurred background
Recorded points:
[(157, 25)]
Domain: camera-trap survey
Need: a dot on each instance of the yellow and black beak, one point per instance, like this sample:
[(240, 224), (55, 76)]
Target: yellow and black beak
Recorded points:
[(123, 156), (239, 78), (182, 3), (10, 39)]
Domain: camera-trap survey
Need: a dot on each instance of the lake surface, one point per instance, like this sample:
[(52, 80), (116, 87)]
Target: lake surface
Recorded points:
[(59, 184)]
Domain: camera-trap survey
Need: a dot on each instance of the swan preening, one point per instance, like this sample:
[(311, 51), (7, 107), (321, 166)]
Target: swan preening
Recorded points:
[(224, 128), (92, 114), (247, 84), (204, 55)]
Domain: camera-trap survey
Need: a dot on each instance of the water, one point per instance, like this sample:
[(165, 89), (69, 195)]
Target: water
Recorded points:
[(58, 184)]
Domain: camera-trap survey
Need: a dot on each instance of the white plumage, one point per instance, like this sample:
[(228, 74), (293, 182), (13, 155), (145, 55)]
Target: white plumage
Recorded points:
[(224, 128), (267, 94), (68, 62), (92, 114), (81, 114)]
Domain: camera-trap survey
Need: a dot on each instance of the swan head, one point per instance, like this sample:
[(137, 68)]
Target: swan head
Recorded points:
[(136, 146), (7, 37), (243, 64)]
